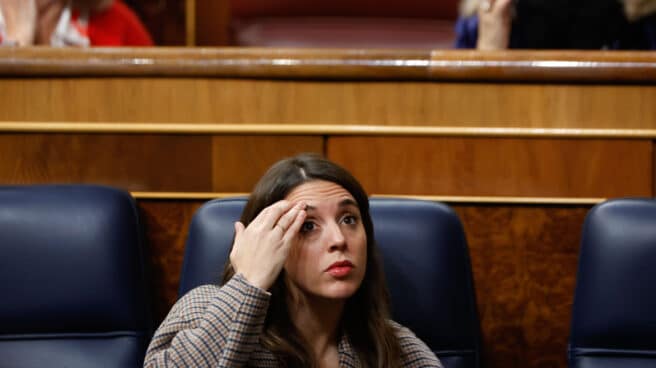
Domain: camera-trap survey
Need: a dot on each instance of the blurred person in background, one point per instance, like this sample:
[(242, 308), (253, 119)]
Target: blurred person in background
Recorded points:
[(17, 22), (556, 24), (641, 34), (70, 23)]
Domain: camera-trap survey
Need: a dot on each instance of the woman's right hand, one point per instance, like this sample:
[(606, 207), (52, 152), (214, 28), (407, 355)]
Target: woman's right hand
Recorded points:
[(494, 22), (260, 250)]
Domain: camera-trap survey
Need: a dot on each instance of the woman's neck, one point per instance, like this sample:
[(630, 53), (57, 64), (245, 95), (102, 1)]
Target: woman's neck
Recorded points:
[(317, 320)]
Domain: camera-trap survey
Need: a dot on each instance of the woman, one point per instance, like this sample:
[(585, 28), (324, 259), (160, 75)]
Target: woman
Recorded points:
[(556, 24), (303, 288)]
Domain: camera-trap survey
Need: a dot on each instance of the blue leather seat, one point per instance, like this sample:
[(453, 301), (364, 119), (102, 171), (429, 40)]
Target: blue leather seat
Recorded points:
[(426, 265), (614, 313), (71, 278)]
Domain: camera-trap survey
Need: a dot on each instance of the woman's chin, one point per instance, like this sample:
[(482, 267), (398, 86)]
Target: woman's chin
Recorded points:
[(340, 291)]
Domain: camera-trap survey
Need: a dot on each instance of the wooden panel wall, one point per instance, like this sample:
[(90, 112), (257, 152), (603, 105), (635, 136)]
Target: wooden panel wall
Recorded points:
[(443, 166), (212, 22), (497, 166), (166, 223), (524, 263), (243, 101), (133, 162), (147, 162), (240, 161)]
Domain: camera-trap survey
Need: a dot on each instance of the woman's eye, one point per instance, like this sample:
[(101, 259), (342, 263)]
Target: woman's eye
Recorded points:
[(307, 226), (350, 220)]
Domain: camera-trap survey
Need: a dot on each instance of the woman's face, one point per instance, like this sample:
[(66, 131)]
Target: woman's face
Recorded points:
[(329, 257)]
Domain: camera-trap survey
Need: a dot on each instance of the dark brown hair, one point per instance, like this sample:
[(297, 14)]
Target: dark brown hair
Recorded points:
[(366, 314)]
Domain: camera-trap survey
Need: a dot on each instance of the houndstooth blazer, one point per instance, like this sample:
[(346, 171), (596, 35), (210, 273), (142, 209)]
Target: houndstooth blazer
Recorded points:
[(216, 326)]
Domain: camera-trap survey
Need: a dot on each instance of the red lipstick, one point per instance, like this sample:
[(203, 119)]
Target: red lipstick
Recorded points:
[(340, 269)]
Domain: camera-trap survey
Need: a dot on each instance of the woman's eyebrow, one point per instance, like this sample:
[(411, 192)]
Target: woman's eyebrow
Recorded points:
[(343, 203), (348, 202)]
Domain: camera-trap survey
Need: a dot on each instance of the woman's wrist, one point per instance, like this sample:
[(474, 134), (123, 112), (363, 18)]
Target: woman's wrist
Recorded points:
[(250, 284)]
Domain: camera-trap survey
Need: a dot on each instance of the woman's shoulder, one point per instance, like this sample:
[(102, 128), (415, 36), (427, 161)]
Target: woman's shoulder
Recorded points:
[(414, 352), (193, 302), (402, 332)]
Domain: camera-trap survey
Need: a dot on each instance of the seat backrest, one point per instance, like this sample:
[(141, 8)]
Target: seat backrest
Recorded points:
[(614, 313), (426, 264), (409, 24), (444, 9), (71, 278)]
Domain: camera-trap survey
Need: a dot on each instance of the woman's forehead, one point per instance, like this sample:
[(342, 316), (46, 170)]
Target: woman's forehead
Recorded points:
[(318, 192)]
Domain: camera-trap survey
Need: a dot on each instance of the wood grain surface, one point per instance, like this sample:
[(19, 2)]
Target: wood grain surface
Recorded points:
[(524, 260), (497, 167), (132, 162), (212, 22), (166, 224), (240, 161), (147, 162), (244, 101)]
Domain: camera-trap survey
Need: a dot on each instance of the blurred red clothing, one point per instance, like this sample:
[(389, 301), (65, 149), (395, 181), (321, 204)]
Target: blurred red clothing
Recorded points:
[(117, 25)]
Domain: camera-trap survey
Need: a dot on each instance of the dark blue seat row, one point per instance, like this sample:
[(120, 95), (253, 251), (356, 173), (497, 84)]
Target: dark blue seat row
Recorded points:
[(75, 293)]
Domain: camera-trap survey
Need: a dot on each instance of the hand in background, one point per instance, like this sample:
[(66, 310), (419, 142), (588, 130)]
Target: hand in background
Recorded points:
[(20, 19), (495, 20), (636, 9), (260, 250)]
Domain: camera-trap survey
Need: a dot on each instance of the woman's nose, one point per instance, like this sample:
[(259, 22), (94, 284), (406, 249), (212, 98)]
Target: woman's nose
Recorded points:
[(335, 238)]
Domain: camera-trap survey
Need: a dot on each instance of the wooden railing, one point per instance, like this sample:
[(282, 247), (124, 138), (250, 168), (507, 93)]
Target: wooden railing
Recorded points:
[(330, 64)]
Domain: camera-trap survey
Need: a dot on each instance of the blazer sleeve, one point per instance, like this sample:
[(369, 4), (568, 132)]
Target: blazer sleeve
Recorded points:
[(466, 32), (211, 326)]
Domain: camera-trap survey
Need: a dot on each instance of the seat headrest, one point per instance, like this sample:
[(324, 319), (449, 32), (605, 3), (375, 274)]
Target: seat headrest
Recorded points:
[(614, 303), (426, 263), (71, 260), (428, 271)]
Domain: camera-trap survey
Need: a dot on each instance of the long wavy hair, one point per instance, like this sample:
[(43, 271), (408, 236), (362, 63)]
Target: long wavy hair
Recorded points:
[(366, 313)]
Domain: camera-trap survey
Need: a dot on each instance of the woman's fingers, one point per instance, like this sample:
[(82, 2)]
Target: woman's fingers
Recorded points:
[(288, 218), (239, 229), (270, 215), (487, 6), (503, 5), (261, 248), (295, 226), (495, 20)]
